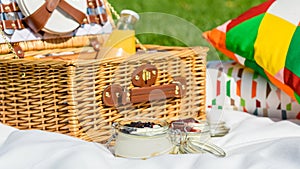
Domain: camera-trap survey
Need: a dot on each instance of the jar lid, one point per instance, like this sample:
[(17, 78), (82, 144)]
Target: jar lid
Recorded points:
[(190, 125), (143, 127), (59, 22), (130, 12)]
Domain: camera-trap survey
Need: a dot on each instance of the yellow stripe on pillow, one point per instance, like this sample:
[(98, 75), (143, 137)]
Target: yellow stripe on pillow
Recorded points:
[(267, 49)]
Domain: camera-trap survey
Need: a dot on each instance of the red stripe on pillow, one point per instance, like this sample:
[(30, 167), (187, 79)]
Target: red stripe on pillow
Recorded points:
[(254, 86), (298, 116), (258, 104), (292, 80), (218, 88), (287, 89), (257, 10), (238, 87)]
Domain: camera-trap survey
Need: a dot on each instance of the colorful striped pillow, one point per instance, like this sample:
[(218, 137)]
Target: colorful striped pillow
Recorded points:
[(265, 38)]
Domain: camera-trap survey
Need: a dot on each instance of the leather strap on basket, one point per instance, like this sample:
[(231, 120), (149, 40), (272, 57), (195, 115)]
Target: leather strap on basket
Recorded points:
[(144, 91), (39, 18)]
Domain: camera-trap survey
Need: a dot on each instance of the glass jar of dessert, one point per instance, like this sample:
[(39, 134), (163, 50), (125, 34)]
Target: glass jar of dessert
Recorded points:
[(142, 138)]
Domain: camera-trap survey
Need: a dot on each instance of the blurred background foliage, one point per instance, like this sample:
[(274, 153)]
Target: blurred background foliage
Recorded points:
[(181, 22)]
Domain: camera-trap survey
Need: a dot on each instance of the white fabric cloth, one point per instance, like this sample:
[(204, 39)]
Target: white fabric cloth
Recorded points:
[(253, 142)]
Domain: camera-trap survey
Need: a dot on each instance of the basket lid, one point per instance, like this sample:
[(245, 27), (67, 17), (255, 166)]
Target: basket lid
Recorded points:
[(59, 22)]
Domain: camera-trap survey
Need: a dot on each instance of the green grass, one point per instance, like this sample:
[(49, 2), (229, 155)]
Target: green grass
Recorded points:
[(181, 22)]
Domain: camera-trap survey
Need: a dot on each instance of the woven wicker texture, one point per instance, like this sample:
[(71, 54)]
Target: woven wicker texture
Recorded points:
[(65, 96)]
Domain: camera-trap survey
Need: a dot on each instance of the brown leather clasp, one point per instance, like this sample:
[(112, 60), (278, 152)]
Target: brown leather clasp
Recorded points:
[(144, 76), (95, 44), (18, 50), (140, 95), (115, 95)]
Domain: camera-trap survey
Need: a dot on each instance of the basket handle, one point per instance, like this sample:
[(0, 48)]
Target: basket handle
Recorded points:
[(143, 79)]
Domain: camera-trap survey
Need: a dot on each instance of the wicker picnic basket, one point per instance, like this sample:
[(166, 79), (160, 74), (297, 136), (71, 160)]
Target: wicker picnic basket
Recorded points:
[(82, 96)]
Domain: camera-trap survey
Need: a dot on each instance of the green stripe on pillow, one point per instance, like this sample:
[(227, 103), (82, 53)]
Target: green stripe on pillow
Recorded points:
[(228, 88), (229, 74), (244, 35), (293, 56), (297, 97), (253, 65)]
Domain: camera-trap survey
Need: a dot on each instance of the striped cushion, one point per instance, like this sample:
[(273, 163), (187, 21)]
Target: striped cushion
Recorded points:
[(265, 38), (235, 87)]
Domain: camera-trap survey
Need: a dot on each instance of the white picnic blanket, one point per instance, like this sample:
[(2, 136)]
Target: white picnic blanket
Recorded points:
[(252, 143)]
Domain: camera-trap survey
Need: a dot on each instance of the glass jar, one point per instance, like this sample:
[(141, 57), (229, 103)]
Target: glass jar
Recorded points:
[(193, 136), (121, 41), (193, 129), (142, 138)]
